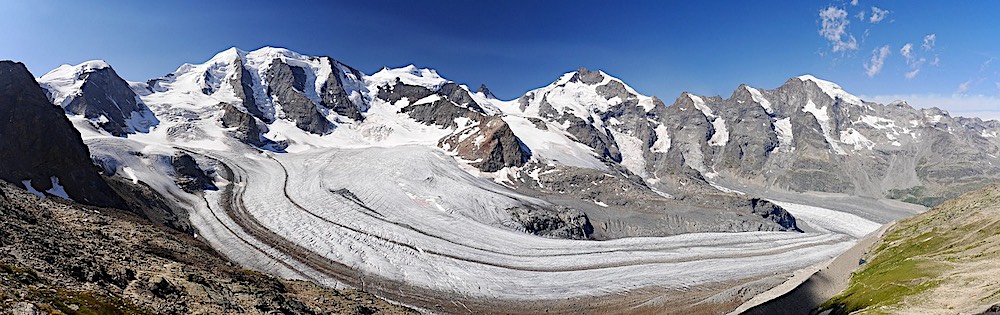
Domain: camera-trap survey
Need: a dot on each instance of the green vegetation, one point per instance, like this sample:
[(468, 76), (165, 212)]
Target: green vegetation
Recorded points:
[(912, 257), (915, 195), (894, 273), (25, 276), (84, 303)]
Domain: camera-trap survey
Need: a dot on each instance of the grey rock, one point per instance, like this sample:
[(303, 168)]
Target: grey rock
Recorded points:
[(491, 142), (442, 112), (189, 176), (555, 223), (286, 85), (396, 91), (248, 129), (486, 91), (105, 94), (24, 308), (243, 84), (585, 76), (601, 140), (335, 97)]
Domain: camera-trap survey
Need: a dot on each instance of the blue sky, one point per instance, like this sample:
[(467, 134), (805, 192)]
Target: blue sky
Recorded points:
[(659, 47)]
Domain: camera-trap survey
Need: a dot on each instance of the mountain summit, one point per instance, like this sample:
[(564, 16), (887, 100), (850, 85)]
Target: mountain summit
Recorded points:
[(94, 90)]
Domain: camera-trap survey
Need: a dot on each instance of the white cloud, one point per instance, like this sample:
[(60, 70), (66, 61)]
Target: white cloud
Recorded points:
[(878, 15), (936, 62), (912, 61), (964, 87), (861, 15), (907, 52), (854, 2), (834, 29), (929, 41), (982, 106), (874, 65)]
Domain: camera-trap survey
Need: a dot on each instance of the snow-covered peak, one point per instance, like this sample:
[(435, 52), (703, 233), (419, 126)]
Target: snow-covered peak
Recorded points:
[(832, 89), (228, 55), (273, 52), (583, 93), (64, 82), (93, 65), (410, 75)]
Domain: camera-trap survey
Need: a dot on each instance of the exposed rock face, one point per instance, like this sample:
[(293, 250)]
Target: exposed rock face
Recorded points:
[(398, 90), (491, 143), (486, 92), (286, 85), (562, 223), (248, 129), (601, 140), (95, 91), (41, 147), (441, 112), (484, 137), (66, 258), (189, 176), (242, 83), (335, 96)]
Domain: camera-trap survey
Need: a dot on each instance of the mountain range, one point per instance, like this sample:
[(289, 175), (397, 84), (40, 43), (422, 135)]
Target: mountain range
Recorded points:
[(264, 154)]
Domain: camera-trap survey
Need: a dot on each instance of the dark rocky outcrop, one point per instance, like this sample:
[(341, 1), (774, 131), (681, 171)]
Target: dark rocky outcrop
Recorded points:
[(188, 175), (41, 145), (562, 223), (486, 92), (601, 140), (105, 95), (585, 76), (286, 85), (335, 97), (248, 129), (242, 84), (398, 90), (441, 112), (491, 143)]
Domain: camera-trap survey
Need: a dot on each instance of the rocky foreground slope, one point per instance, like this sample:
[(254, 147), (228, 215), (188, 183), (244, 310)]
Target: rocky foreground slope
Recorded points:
[(944, 261), (60, 257)]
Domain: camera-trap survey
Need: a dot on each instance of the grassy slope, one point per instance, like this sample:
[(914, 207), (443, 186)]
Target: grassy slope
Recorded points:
[(946, 260)]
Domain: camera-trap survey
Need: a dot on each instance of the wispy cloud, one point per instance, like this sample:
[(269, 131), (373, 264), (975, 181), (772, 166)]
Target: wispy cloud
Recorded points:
[(854, 2), (834, 29), (986, 65), (912, 61), (878, 15), (929, 41), (963, 87), (874, 65)]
